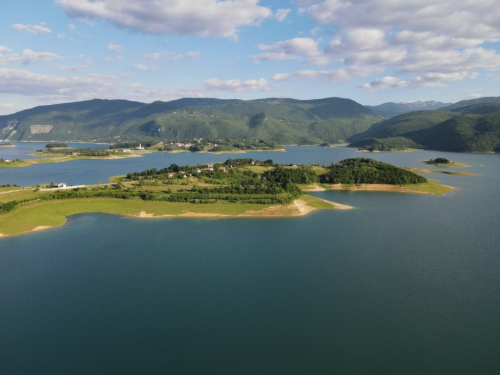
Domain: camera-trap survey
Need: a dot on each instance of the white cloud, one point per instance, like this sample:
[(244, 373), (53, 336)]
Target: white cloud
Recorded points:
[(328, 75), (32, 29), (385, 83), (442, 17), (146, 67), (281, 14), (433, 41), (28, 56), (423, 61), (71, 27), (6, 105), (365, 46), (5, 49), (115, 47), (236, 85), (305, 49), (23, 82), (203, 18), (429, 80), (61, 36)]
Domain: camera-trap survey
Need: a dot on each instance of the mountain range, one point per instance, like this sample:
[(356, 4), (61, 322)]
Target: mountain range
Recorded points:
[(286, 121), (466, 126)]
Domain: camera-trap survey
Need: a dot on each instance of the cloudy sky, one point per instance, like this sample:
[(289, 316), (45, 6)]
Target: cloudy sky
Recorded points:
[(371, 51)]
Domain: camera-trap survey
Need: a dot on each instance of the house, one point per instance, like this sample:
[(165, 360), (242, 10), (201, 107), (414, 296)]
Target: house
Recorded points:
[(210, 166), (198, 170), (223, 169), (170, 174), (61, 185), (140, 147)]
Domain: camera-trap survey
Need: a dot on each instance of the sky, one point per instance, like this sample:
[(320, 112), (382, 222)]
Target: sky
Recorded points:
[(371, 51)]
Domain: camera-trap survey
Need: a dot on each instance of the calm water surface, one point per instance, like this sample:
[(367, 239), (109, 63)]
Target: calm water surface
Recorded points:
[(403, 284)]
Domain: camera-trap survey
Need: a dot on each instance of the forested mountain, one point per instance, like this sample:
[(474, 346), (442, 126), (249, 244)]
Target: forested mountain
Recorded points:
[(286, 121), (468, 126)]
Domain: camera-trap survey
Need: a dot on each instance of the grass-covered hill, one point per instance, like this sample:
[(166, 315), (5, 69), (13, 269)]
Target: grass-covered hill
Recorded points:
[(461, 128), (286, 121)]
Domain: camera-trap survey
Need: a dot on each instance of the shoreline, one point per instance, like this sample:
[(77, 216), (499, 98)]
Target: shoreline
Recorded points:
[(384, 187), (299, 207), (61, 159)]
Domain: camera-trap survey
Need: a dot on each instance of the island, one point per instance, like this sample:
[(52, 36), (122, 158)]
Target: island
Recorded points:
[(235, 188), (443, 162), (7, 145)]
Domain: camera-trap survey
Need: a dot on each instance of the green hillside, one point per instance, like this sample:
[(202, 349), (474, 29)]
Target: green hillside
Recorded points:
[(466, 103), (286, 121), (471, 126)]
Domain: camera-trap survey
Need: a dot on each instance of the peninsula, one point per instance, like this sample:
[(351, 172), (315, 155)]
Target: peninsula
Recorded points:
[(236, 188)]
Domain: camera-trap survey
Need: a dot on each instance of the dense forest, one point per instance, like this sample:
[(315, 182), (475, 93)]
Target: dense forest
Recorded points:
[(368, 171)]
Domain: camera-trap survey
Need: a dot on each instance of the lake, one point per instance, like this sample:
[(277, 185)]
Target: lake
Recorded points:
[(403, 284)]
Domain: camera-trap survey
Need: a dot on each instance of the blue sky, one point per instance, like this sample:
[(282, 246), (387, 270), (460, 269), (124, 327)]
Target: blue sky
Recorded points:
[(371, 51)]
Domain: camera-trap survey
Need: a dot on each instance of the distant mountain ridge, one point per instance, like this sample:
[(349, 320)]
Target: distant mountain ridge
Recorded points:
[(467, 126), (286, 121), (392, 109)]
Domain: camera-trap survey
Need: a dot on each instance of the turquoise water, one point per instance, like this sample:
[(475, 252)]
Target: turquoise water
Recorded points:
[(403, 284)]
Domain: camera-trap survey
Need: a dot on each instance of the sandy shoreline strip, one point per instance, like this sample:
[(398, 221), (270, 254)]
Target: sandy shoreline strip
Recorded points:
[(298, 207), (380, 187)]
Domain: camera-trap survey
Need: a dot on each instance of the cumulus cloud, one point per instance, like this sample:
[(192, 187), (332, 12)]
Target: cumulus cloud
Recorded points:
[(203, 18), (236, 85), (23, 82), (441, 17), (305, 49), (365, 47), (5, 49), (28, 56), (432, 41), (32, 29)]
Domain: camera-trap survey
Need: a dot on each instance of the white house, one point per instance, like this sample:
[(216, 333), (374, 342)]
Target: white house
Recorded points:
[(61, 185)]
